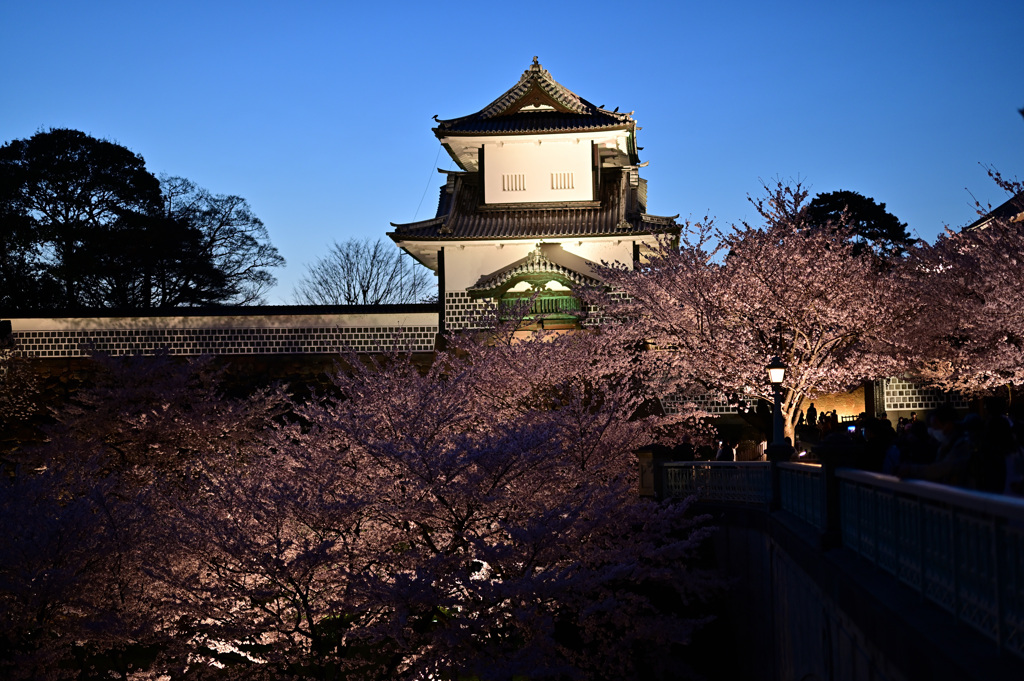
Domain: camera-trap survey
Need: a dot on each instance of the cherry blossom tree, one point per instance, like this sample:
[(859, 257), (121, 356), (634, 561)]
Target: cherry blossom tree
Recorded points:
[(49, 573), (970, 293), (150, 418), (92, 503), (19, 401), (721, 303), (476, 519)]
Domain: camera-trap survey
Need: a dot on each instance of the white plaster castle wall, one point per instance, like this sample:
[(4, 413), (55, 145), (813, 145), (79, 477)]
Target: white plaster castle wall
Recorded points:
[(535, 170), (611, 250), (466, 263), (613, 146)]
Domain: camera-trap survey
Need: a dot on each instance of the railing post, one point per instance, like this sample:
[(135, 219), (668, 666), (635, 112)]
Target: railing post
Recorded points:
[(645, 474), (832, 534), (777, 453), (832, 455), (656, 457), (658, 462)]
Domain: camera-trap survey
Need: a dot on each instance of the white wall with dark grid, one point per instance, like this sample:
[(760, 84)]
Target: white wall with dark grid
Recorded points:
[(462, 312), (902, 394), (234, 335), (712, 404)]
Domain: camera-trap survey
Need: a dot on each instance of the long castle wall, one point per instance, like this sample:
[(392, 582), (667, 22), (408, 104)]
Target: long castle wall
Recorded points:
[(246, 331), (310, 330)]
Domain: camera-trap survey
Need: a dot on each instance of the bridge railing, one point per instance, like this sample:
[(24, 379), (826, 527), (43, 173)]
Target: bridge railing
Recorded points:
[(802, 491), (960, 549), (743, 482)]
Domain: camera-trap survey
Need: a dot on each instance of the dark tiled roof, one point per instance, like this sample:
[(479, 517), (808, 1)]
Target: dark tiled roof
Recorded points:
[(617, 213), (1011, 211), (534, 121), (536, 77), (569, 112)]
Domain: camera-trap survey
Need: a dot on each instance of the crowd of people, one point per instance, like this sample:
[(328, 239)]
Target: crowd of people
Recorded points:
[(980, 451), (812, 419)]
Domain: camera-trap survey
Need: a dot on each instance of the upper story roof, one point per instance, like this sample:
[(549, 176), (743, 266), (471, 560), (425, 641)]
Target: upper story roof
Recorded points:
[(536, 104), (462, 215)]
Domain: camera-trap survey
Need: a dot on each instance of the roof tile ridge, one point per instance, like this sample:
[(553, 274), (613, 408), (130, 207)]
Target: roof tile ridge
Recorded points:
[(536, 74), (419, 223), (566, 97), (502, 102), (658, 218)]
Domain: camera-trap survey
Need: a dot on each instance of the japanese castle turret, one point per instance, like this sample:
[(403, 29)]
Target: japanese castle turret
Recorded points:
[(548, 186)]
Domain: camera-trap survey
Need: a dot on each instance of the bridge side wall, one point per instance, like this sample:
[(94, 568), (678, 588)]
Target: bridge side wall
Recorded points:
[(803, 614)]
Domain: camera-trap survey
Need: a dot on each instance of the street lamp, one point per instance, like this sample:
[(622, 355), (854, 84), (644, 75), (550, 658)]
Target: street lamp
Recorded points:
[(777, 451), (776, 374)]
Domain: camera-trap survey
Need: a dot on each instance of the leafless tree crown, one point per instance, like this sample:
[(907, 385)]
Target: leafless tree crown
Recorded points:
[(363, 272)]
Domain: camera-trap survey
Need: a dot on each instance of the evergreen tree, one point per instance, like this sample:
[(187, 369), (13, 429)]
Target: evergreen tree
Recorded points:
[(871, 226)]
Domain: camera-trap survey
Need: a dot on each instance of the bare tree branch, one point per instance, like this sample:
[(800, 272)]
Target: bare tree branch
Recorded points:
[(363, 273)]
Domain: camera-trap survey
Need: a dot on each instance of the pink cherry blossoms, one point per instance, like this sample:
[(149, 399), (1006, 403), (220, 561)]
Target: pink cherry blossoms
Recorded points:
[(971, 294), (721, 303), (475, 518)]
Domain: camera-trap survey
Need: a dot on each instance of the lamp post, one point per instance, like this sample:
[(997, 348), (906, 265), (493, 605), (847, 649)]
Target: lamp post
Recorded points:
[(777, 451), (776, 374)]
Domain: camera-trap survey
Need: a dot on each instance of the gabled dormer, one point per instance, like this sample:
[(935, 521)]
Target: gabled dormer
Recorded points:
[(539, 280), (539, 143)]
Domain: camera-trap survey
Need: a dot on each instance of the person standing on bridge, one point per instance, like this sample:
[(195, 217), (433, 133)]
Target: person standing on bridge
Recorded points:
[(725, 452), (954, 451)]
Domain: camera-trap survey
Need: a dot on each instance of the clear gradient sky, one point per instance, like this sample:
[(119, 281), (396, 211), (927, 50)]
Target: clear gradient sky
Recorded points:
[(319, 113)]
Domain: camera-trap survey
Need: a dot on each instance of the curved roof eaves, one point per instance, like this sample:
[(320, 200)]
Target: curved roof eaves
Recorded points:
[(536, 122)]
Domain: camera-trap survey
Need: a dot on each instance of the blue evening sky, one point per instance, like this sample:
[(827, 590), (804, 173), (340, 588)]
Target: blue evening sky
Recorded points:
[(319, 113)]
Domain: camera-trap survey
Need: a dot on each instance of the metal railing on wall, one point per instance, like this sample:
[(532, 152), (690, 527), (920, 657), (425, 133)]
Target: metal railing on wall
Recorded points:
[(962, 550), (745, 482), (802, 491)]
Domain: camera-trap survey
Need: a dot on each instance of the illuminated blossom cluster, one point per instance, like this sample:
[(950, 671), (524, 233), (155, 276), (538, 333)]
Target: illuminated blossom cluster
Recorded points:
[(721, 303), (971, 297)]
